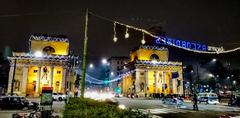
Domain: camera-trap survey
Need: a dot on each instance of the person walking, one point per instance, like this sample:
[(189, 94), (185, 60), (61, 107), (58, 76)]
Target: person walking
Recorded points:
[(195, 106)]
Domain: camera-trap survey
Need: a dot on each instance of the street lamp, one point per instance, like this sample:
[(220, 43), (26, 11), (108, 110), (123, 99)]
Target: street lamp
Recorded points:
[(210, 75), (214, 60), (91, 66), (104, 61), (112, 74), (234, 82)]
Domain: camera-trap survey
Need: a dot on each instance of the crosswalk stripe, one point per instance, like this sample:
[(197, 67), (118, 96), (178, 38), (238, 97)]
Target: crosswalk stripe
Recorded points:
[(164, 111)]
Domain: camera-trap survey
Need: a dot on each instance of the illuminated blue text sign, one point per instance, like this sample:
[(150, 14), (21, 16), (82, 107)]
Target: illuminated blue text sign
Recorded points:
[(182, 43)]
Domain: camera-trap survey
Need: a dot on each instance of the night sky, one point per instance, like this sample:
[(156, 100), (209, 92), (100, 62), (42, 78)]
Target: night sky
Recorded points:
[(211, 22)]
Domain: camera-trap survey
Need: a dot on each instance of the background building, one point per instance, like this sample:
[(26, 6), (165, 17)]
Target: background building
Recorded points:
[(149, 71), (116, 65), (47, 64)]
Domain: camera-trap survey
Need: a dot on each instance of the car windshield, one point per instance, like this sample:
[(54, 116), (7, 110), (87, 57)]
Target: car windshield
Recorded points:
[(212, 98)]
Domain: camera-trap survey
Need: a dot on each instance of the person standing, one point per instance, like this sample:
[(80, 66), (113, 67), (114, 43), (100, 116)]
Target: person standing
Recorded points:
[(195, 100), (219, 98)]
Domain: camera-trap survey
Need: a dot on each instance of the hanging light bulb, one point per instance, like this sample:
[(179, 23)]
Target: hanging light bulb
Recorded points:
[(115, 39), (126, 34), (114, 31), (143, 40)]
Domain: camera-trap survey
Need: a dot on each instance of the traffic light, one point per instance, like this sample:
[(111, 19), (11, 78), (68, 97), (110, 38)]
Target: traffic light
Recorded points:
[(106, 82)]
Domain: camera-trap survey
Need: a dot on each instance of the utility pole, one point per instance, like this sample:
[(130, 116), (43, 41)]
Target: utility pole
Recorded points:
[(13, 78), (84, 58)]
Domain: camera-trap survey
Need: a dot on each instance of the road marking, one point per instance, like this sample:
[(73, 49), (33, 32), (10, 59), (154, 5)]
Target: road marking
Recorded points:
[(164, 111)]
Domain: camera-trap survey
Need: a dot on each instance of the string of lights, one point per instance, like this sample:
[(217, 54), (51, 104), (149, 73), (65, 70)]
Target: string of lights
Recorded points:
[(155, 36)]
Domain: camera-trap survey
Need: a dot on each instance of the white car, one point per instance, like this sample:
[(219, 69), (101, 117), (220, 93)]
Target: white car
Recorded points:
[(59, 97), (213, 100)]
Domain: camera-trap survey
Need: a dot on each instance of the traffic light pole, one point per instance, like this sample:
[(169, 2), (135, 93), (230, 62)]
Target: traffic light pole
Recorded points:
[(84, 58)]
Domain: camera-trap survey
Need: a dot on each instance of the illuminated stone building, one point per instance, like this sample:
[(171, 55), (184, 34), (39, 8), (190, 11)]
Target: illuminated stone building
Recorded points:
[(47, 64), (149, 71)]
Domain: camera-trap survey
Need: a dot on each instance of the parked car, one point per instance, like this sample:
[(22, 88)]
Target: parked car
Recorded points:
[(59, 96), (209, 98), (17, 102)]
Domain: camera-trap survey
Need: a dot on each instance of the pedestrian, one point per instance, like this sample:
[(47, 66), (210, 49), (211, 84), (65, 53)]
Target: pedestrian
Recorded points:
[(219, 98), (195, 100)]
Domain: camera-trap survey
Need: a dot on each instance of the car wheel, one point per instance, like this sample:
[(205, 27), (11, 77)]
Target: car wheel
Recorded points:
[(60, 99)]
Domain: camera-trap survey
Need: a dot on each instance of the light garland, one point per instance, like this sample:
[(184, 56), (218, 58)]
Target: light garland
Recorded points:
[(155, 36)]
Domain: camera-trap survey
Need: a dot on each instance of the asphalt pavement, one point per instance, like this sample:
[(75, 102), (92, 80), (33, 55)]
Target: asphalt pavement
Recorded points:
[(156, 106)]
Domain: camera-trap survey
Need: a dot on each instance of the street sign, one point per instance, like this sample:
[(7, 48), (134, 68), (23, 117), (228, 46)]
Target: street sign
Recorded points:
[(46, 97)]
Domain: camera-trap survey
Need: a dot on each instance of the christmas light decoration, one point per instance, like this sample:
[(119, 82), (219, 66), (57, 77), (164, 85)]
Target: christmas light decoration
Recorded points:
[(143, 39), (161, 39), (114, 33), (126, 33)]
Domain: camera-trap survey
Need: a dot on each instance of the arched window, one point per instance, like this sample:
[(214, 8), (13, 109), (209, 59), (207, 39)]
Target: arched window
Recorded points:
[(154, 56), (48, 50)]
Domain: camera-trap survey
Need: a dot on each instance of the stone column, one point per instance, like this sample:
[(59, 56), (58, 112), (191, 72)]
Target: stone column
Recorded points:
[(137, 81), (63, 80), (164, 81), (181, 83), (146, 81), (10, 77), (155, 81), (38, 80), (24, 80), (158, 80), (51, 76)]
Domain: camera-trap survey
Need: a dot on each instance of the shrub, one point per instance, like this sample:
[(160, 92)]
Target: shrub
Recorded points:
[(88, 108)]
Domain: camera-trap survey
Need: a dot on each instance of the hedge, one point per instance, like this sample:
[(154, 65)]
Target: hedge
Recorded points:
[(88, 108)]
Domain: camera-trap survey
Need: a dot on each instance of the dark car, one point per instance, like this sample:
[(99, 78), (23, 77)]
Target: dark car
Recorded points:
[(16, 102)]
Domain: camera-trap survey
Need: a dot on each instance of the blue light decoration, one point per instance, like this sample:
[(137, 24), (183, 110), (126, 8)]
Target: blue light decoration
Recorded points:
[(118, 90), (181, 43)]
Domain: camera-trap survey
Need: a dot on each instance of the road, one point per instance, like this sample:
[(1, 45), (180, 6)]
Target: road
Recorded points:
[(157, 106), (145, 105)]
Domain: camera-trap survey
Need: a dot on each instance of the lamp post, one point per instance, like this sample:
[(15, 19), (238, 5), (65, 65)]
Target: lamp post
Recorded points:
[(84, 58)]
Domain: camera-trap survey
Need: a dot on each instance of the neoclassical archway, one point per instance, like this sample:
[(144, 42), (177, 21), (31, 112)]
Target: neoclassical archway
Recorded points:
[(48, 50), (154, 57)]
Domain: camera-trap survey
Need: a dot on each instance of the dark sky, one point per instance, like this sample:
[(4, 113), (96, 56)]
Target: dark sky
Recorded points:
[(213, 22)]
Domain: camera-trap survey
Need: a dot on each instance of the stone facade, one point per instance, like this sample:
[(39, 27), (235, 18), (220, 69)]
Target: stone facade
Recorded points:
[(149, 71), (50, 69)]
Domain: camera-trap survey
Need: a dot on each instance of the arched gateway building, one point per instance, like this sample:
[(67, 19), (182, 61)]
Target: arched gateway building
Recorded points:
[(45, 65), (149, 71)]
